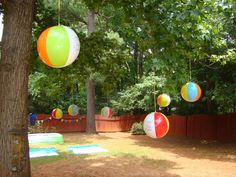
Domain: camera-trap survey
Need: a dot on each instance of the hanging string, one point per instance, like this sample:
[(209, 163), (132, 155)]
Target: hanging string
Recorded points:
[(107, 99), (73, 95), (190, 70), (74, 92), (59, 12)]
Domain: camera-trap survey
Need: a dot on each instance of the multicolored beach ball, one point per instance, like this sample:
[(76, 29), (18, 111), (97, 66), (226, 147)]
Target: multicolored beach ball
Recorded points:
[(73, 110), (156, 125), (58, 46), (191, 92), (163, 100), (57, 113), (106, 112)]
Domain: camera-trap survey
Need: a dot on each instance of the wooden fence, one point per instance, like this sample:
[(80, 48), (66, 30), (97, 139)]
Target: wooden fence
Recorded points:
[(207, 127)]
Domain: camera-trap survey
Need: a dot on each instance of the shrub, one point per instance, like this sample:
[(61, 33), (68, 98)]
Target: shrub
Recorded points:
[(38, 128), (137, 129)]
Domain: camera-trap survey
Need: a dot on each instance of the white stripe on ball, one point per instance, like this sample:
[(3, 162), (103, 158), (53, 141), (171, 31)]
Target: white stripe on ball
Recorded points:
[(149, 125), (74, 46)]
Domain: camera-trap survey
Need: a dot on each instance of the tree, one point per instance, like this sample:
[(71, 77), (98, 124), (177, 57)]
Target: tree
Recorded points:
[(139, 97), (14, 64), (90, 127), (158, 37), (101, 58), (170, 33)]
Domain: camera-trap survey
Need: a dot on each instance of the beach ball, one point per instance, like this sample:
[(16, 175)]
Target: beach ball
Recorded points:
[(163, 100), (73, 110), (156, 125), (106, 112), (32, 118), (57, 113), (58, 46), (191, 92)]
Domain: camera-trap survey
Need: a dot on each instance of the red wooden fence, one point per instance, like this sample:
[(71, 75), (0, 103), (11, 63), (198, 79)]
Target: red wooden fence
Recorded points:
[(226, 127), (202, 127), (209, 127), (66, 124), (178, 126), (115, 124)]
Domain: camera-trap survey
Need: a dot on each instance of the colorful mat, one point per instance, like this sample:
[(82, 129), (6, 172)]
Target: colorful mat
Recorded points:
[(86, 149), (45, 138), (41, 152)]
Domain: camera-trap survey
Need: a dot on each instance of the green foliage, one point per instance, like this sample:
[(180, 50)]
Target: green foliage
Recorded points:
[(134, 39), (47, 92), (136, 97), (225, 58), (102, 58), (224, 97), (137, 129), (221, 88)]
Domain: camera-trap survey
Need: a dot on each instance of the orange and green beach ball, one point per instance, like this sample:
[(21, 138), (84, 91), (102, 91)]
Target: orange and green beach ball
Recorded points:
[(163, 100), (58, 46), (73, 110), (57, 113), (191, 92)]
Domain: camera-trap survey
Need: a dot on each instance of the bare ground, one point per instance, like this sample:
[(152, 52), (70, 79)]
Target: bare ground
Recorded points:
[(141, 156)]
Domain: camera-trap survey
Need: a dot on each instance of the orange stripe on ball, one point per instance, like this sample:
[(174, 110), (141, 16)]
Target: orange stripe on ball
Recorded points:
[(199, 92), (42, 48)]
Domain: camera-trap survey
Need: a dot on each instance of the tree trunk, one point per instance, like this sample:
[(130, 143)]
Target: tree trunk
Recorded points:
[(91, 24), (90, 128), (14, 63), (136, 62), (141, 65)]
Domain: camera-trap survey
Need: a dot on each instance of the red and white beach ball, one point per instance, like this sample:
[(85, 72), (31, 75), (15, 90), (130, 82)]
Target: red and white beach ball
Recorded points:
[(106, 112), (156, 125)]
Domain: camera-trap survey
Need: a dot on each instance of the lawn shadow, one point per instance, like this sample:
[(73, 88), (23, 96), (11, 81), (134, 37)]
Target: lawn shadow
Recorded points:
[(82, 138), (126, 165), (190, 148), (44, 160)]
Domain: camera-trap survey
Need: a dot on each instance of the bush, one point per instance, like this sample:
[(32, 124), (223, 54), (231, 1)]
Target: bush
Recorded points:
[(38, 128), (137, 129)]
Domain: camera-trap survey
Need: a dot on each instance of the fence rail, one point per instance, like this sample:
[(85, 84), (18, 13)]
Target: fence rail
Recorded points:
[(207, 127)]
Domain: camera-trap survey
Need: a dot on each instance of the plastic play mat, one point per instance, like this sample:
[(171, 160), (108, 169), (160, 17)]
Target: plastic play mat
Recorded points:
[(86, 149), (41, 152), (45, 138)]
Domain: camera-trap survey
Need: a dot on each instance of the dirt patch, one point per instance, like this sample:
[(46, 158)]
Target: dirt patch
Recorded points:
[(141, 156)]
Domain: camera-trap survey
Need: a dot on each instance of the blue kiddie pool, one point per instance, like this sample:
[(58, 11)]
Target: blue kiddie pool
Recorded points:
[(45, 138)]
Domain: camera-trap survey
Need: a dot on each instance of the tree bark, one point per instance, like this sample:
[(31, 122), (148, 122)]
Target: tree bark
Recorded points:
[(90, 128), (136, 62), (91, 23), (141, 65), (14, 63)]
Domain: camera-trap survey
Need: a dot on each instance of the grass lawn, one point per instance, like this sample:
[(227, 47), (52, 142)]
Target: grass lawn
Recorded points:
[(139, 156)]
